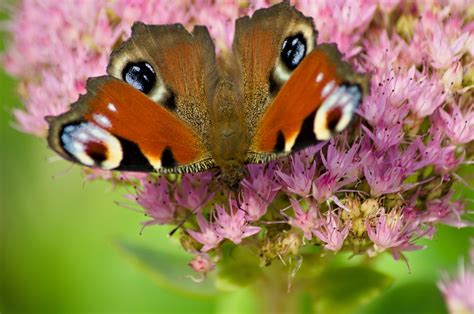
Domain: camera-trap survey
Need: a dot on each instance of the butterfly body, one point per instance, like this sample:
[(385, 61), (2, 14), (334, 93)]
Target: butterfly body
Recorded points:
[(229, 141), (169, 105)]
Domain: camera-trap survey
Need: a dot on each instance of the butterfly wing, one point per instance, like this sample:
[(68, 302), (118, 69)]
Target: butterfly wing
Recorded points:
[(144, 116), (318, 100), (296, 93)]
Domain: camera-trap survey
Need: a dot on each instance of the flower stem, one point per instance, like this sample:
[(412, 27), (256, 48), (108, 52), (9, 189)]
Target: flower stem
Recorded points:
[(273, 297)]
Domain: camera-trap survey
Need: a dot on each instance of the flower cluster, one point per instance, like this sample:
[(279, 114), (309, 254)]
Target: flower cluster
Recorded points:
[(379, 186)]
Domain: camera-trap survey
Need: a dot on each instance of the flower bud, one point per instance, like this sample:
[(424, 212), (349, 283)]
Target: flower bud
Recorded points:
[(281, 245), (354, 205), (358, 227), (369, 207), (188, 243), (202, 263), (405, 25)]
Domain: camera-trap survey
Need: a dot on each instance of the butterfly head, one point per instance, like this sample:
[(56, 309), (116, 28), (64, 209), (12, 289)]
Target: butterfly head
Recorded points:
[(231, 174)]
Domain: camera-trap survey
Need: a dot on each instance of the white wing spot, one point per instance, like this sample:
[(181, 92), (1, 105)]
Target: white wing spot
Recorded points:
[(319, 78), (102, 120), (111, 107), (327, 88), (82, 136)]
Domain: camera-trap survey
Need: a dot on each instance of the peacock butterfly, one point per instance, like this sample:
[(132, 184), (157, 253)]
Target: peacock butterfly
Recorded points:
[(169, 105)]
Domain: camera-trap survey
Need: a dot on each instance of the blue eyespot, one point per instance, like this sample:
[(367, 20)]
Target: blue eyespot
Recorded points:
[(293, 50), (140, 75)]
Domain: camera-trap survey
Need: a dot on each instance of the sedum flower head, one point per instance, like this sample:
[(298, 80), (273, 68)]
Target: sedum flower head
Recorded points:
[(380, 186)]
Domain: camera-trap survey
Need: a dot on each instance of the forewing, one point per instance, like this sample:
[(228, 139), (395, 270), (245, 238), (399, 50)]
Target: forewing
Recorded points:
[(115, 126)]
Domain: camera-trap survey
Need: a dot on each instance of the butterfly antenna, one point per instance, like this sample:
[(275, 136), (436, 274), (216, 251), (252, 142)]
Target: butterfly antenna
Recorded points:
[(239, 204), (181, 223)]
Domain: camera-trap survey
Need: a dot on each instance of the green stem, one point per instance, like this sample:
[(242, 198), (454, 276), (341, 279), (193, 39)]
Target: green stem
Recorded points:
[(274, 297)]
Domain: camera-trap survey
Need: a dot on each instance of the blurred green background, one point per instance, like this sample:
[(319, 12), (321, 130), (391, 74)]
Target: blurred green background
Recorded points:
[(58, 250)]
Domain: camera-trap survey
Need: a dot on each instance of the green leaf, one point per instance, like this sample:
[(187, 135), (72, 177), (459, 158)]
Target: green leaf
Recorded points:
[(342, 290), (239, 267), (170, 271), (411, 297)]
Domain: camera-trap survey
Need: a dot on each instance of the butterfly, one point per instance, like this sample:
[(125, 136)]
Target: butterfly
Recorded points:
[(170, 105)]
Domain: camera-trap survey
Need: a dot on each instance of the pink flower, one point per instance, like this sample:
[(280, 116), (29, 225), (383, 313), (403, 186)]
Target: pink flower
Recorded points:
[(332, 231), (252, 203), (194, 191), (342, 163), (445, 50), (382, 177), (261, 179), (305, 220), (395, 231), (427, 96), (233, 225), (409, 159), (325, 186), (342, 168), (258, 190), (458, 126), (388, 6), (382, 49), (452, 78), (386, 104), (202, 263), (385, 137), (155, 198), (446, 211), (301, 175), (388, 231), (208, 235), (443, 157)]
